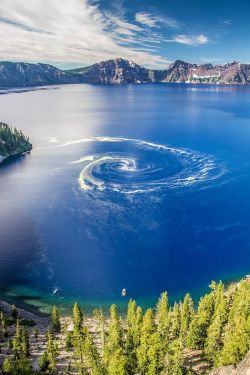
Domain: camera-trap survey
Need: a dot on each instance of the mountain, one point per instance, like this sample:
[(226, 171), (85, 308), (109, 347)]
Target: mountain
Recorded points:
[(231, 73), (12, 142), (26, 75), (120, 71), (117, 71)]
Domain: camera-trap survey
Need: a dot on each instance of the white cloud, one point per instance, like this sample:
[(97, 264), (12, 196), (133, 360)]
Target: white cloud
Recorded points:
[(190, 40), (69, 32), (152, 20)]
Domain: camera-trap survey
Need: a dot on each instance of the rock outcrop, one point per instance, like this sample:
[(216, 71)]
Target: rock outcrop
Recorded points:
[(242, 369)]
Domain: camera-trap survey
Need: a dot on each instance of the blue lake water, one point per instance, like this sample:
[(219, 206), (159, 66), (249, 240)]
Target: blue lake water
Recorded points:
[(143, 187)]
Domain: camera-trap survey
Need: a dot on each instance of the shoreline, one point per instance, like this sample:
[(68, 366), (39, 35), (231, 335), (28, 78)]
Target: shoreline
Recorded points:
[(4, 159)]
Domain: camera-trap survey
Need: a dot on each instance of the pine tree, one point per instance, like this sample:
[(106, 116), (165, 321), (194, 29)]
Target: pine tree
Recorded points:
[(77, 319), (44, 361), (214, 340), (162, 309), (236, 340), (55, 317), (98, 314), (174, 359), (3, 325), (52, 352), (114, 337), (156, 354), (117, 363), (147, 329), (92, 356), (198, 328), (68, 340), (175, 322), (7, 367), (187, 314)]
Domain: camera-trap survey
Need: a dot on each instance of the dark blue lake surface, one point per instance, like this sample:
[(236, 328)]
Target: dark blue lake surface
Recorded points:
[(143, 187)]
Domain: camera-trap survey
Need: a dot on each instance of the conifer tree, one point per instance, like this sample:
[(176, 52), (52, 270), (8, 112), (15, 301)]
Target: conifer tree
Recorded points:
[(55, 317), (175, 322), (77, 319), (114, 337), (187, 314), (92, 356), (214, 339), (3, 325), (156, 354), (162, 309), (117, 363), (52, 352), (7, 367), (147, 329), (198, 328), (174, 359)]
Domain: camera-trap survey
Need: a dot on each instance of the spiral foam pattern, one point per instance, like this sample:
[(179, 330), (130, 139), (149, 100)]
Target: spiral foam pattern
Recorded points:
[(140, 166)]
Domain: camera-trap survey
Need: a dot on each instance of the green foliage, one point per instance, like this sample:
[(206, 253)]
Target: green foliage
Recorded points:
[(152, 343), (52, 352), (237, 332), (187, 315), (114, 337), (162, 310), (12, 141), (174, 359), (117, 363), (44, 361), (7, 366), (55, 317), (199, 325), (20, 343), (147, 330), (68, 340), (77, 319)]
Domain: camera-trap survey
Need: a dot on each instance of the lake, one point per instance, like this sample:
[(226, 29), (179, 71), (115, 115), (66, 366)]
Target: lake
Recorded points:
[(143, 187)]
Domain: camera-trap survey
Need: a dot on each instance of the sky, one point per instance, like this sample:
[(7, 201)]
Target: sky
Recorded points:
[(152, 33)]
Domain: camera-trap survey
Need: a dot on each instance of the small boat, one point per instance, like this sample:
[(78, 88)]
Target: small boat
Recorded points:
[(55, 291), (124, 292)]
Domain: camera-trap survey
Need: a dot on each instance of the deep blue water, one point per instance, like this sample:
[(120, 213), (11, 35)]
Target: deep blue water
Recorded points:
[(143, 187)]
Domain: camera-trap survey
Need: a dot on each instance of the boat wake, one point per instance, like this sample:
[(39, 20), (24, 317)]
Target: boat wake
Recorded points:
[(133, 166)]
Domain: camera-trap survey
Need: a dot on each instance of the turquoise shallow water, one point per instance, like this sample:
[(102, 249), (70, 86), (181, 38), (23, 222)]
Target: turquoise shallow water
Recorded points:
[(142, 187)]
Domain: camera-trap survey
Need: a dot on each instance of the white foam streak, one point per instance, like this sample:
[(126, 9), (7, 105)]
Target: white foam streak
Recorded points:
[(120, 173)]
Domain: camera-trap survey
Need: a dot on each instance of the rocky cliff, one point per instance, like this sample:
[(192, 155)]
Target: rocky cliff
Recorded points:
[(120, 71), (242, 369), (231, 73), (117, 71)]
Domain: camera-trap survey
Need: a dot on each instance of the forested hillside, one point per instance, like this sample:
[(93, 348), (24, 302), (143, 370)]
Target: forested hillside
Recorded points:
[(164, 340), (12, 141)]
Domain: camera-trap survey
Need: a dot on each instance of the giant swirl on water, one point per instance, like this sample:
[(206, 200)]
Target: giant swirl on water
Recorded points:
[(134, 166)]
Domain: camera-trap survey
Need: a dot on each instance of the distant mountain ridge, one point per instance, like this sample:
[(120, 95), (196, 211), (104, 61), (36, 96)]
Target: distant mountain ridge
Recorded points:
[(120, 71), (19, 74)]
